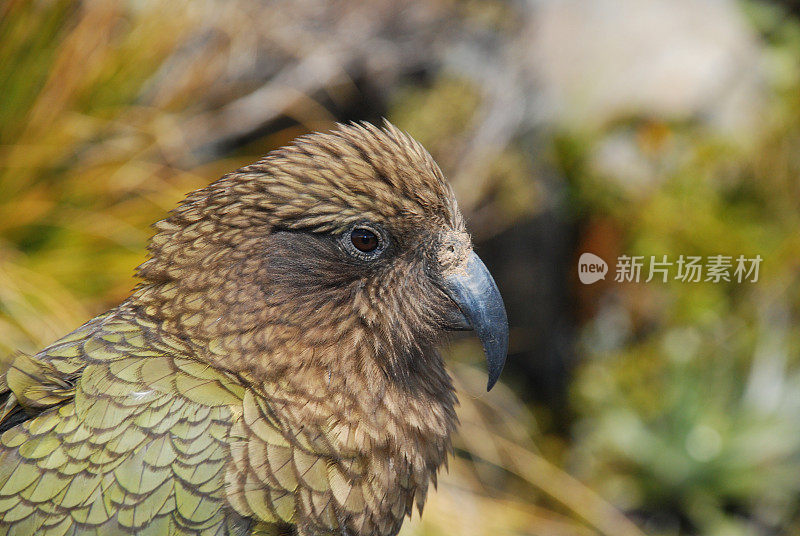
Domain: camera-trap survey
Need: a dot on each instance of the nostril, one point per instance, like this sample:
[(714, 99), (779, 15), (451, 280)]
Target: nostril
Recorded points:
[(452, 250)]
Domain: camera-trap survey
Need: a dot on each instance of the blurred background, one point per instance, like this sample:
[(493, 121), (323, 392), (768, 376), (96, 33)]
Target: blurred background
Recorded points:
[(635, 127)]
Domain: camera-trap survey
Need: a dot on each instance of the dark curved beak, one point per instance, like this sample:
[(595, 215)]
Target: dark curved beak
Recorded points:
[(472, 288)]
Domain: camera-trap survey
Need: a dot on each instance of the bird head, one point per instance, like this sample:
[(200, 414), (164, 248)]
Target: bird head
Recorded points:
[(347, 242)]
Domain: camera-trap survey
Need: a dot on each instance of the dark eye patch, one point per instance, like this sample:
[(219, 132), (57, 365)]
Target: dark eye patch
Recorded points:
[(307, 266)]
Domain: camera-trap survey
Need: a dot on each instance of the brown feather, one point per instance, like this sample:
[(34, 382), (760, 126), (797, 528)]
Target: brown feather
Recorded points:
[(347, 408)]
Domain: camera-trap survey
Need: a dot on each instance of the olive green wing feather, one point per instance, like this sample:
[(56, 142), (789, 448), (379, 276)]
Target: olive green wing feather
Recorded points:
[(31, 384), (126, 436)]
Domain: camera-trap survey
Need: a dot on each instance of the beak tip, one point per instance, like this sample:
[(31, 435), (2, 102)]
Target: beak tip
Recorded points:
[(496, 356)]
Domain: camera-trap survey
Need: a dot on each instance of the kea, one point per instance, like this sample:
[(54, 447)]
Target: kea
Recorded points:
[(276, 370)]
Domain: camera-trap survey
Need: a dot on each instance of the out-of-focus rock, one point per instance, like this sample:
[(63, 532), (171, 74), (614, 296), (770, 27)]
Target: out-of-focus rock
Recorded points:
[(601, 60)]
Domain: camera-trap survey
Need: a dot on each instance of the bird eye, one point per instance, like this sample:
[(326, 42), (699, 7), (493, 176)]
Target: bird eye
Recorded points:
[(364, 240)]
